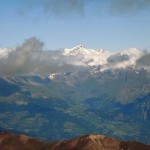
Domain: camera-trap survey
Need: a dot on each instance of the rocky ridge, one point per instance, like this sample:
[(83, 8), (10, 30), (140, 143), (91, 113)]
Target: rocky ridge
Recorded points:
[(87, 142)]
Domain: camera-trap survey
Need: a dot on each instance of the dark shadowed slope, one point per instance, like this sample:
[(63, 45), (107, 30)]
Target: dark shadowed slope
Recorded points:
[(88, 142)]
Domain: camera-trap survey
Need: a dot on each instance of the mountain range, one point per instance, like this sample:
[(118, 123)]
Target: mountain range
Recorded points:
[(65, 94)]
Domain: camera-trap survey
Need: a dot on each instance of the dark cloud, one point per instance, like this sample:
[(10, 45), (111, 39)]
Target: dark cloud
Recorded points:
[(118, 58), (19, 59), (55, 7), (61, 7), (129, 6), (144, 60)]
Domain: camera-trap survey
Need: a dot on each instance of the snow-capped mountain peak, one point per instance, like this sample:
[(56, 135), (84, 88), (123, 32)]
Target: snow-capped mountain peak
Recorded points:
[(89, 56), (79, 49)]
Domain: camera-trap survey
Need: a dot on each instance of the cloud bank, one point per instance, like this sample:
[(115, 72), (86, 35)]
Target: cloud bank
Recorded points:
[(31, 59)]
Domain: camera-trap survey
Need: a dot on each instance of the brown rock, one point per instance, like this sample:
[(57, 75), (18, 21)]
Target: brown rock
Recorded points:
[(87, 142)]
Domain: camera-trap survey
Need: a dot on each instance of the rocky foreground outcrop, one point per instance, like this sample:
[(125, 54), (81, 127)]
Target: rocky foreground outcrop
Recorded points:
[(87, 142)]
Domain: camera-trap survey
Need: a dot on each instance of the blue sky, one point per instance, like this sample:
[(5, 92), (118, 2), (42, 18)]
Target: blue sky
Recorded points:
[(110, 24)]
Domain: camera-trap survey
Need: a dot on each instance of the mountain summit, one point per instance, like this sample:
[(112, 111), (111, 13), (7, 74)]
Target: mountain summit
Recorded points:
[(90, 57), (80, 49)]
